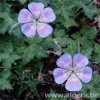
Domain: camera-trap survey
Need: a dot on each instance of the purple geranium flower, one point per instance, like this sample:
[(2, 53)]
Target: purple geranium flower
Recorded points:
[(73, 70), (35, 20)]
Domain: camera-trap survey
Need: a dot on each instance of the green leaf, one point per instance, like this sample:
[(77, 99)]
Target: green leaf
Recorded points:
[(7, 54), (97, 48), (92, 87), (32, 85), (96, 56), (10, 60), (72, 47), (5, 7), (68, 21), (88, 31), (22, 1), (4, 84), (5, 74), (28, 54), (90, 11)]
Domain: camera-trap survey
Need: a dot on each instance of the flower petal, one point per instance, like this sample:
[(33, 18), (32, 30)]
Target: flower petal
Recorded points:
[(60, 75), (29, 29), (44, 29), (73, 83), (36, 9), (47, 15), (85, 74), (25, 16), (97, 2), (80, 61), (65, 61)]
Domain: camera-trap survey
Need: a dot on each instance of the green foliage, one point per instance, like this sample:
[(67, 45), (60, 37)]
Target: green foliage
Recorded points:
[(71, 47), (96, 56), (4, 82), (24, 55), (22, 1), (70, 21), (92, 87)]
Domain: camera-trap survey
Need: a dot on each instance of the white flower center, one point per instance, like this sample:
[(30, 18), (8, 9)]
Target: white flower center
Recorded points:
[(72, 70)]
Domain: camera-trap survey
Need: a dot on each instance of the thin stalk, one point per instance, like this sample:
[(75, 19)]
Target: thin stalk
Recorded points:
[(78, 46), (83, 9)]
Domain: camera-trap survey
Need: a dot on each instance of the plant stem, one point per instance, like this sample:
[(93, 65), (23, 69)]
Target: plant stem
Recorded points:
[(83, 9), (78, 46)]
